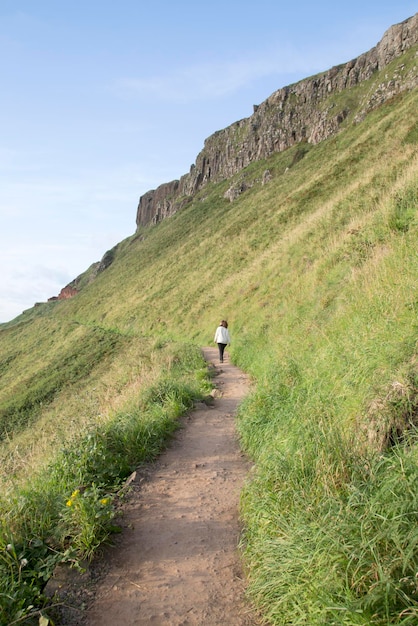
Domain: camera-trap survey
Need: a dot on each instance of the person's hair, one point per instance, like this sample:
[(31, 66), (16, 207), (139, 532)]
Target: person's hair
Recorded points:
[(224, 323)]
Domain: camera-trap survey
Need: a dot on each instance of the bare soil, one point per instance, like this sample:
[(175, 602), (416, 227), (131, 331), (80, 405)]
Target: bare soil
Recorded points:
[(176, 561)]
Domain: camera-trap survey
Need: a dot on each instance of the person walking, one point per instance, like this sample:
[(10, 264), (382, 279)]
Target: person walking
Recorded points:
[(222, 338)]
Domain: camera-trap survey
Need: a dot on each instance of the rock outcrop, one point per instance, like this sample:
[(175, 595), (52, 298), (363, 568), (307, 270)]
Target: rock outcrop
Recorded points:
[(65, 294), (301, 112)]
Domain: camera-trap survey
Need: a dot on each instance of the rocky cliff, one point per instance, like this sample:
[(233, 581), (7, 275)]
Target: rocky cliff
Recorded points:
[(306, 111)]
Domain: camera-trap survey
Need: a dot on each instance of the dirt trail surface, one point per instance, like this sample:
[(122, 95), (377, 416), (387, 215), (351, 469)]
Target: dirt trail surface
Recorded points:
[(176, 561)]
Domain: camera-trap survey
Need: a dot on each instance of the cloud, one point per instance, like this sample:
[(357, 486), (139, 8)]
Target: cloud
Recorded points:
[(35, 270), (27, 283), (223, 78), (216, 79)]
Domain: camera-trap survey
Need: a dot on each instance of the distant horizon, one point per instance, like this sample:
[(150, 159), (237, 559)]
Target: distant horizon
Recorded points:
[(104, 103)]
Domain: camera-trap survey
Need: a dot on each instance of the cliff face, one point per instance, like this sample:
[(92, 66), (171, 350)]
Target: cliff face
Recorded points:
[(300, 112)]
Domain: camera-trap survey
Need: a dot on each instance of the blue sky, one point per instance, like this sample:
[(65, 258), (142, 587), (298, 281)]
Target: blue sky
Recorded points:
[(102, 101)]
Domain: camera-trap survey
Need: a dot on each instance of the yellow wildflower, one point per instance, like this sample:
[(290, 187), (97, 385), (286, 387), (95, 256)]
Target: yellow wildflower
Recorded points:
[(104, 501)]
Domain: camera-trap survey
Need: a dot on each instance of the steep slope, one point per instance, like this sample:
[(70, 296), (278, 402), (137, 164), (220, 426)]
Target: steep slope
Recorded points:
[(315, 268), (309, 111)]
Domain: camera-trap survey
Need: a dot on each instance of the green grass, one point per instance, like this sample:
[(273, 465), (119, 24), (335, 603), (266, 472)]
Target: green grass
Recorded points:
[(317, 274), (63, 512), (23, 399)]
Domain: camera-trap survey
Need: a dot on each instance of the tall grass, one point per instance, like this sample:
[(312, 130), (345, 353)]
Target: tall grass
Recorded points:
[(331, 516), (64, 512), (331, 537)]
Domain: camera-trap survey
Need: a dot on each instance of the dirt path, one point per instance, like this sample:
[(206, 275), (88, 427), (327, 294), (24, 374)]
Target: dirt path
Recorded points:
[(176, 562)]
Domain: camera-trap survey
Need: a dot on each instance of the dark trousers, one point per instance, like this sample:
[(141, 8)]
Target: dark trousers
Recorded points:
[(221, 347)]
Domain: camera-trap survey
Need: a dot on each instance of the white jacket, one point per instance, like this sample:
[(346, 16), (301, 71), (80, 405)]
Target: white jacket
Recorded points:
[(222, 335)]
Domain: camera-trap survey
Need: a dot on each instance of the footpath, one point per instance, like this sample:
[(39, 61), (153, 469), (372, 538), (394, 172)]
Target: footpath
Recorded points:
[(176, 561)]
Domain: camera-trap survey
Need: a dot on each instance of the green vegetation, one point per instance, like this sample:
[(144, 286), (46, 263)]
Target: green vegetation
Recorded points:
[(317, 272), (59, 509)]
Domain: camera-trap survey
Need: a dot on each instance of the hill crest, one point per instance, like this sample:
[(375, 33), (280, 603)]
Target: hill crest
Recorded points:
[(307, 111)]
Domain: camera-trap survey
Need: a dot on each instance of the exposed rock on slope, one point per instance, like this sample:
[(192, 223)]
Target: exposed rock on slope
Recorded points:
[(65, 293), (300, 112)]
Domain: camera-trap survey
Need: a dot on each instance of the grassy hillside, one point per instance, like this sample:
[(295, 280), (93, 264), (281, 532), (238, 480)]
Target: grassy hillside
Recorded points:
[(316, 272)]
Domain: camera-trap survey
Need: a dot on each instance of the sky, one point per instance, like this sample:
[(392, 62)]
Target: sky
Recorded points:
[(102, 101)]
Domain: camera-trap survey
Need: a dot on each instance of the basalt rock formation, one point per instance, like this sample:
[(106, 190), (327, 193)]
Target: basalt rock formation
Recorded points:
[(307, 111)]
